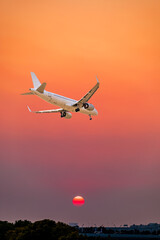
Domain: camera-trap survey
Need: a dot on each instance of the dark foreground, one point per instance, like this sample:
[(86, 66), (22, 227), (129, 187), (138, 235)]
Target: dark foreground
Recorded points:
[(50, 230), (39, 230)]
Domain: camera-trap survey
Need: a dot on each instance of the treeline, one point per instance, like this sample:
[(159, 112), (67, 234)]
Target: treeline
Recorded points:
[(39, 230)]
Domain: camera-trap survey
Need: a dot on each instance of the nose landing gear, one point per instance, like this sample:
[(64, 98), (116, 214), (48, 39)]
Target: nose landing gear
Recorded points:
[(90, 118)]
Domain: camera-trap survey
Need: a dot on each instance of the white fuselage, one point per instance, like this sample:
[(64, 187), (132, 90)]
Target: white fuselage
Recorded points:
[(63, 102)]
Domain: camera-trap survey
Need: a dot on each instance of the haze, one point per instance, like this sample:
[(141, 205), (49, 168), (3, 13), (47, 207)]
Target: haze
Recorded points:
[(113, 160)]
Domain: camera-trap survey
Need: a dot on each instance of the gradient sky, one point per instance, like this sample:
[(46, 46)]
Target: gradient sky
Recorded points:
[(113, 161)]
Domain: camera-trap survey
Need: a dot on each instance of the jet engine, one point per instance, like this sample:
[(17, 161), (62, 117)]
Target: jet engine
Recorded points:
[(88, 106), (67, 115)]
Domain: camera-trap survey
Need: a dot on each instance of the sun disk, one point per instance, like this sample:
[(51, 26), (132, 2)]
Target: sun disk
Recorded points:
[(78, 201)]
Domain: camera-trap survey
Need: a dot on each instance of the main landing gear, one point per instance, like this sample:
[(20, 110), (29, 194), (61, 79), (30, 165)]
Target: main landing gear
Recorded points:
[(77, 110), (63, 114), (90, 118)]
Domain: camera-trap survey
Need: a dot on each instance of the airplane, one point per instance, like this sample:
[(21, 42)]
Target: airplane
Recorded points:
[(66, 105)]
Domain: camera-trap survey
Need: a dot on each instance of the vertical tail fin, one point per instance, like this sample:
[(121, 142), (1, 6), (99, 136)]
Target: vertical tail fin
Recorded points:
[(36, 82)]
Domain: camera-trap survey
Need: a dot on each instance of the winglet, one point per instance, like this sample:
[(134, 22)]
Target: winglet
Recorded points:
[(97, 80), (29, 109)]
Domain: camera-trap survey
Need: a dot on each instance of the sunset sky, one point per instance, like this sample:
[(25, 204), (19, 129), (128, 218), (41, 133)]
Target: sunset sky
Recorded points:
[(112, 161)]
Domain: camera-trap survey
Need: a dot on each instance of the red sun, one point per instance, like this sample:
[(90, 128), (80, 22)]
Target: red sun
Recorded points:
[(78, 201)]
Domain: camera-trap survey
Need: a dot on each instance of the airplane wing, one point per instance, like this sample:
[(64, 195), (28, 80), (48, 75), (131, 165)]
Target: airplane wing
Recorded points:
[(47, 111), (86, 97)]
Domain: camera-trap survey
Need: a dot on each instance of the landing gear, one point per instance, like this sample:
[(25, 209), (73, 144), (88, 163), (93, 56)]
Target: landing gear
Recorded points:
[(77, 110), (63, 114), (90, 118)]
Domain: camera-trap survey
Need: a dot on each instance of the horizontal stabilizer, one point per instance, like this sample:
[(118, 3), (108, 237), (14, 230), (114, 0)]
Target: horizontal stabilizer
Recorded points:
[(27, 93), (41, 88)]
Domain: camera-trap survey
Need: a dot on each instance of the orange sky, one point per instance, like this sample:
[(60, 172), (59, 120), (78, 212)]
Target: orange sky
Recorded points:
[(66, 44)]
